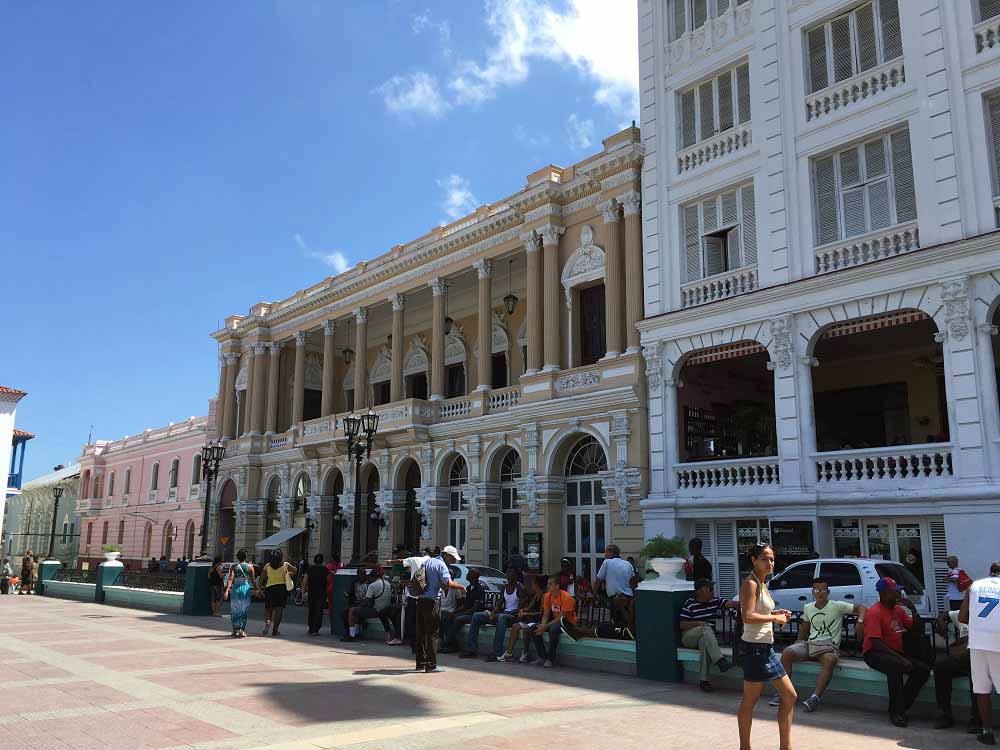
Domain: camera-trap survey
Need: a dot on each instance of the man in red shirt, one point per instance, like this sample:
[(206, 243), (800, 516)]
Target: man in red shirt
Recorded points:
[(884, 625)]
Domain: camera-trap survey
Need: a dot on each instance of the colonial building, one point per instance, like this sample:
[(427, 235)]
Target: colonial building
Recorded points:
[(144, 493), (16, 439), (27, 524), (501, 355), (822, 276)]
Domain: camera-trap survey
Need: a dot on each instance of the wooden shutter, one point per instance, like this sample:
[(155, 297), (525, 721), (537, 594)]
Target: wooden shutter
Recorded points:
[(704, 532), (902, 175), (749, 233), (994, 112), (843, 55), (854, 211), (706, 110), (825, 184), (734, 257), (818, 77), (721, 6), (724, 85), (879, 203), (700, 12), (850, 168), (939, 556), (892, 41), (988, 9), (725, 556), (710, 214), (875, 159), (867, 48), (730, 215), (743, 92), (692, 242), (680, 18), (689, 132), (715, 254)]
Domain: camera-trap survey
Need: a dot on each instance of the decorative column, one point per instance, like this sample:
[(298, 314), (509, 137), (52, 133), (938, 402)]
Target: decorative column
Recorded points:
[(396, 384), (534, 309), (299, 385), (986, 371), (248, 394), (259, 388), (633, 270), (614, 282), (229, 401), (437, 341), (272, 387), (327, 408), (485, 270), (220, 401), (361, 359), (807, 417), (550, 242)]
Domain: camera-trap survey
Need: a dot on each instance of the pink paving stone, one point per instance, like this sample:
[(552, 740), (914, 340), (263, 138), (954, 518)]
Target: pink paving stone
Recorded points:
[(71, 695), (154, 660), (232, 677), (128, 730), (80, 648)]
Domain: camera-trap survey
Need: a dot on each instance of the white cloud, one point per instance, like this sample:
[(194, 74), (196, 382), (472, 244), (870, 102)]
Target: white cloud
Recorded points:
[(334, 259), (424, 22), (532, 140), (413, 93), (458, 198), (580, 132)]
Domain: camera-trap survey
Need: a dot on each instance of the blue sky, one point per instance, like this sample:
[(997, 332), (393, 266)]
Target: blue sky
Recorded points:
[(168, 164)]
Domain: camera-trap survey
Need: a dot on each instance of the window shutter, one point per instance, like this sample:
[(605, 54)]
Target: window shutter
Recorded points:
[(704, 532), (988, 9), (743, 91), (709, 215), (843, 56), (733, 255), (725, 88), (892, 41), (692, 242), (749, 232), (867, 49), (827, 222), (902, 175), (939, 556), (721, 6), (689, 133), (715, 250), (850, 168), (706, 109), (700, 13), (854, 212), (680, 25), (875, 159), (816, 40), (994, 106), (878, 205), (729, 214)]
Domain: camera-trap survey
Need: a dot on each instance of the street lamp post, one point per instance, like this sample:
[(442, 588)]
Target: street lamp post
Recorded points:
[(211, 457), (57, 492), (360, 438)]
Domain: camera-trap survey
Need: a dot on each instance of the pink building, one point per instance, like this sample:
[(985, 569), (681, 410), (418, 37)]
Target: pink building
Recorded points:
[(144, 493)]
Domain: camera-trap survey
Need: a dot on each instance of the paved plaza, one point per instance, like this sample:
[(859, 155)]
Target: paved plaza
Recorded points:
[(89, 677)]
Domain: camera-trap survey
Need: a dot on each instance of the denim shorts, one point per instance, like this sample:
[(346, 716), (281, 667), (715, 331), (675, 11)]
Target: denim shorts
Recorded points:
[(761, 663)]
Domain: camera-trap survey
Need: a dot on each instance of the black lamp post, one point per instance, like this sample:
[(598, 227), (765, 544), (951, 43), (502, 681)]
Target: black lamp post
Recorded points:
[(56, 494), (211, 457), (360, 438)]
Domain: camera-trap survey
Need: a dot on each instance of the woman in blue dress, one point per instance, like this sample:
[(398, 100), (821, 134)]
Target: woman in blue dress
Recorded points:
[(238, 590)]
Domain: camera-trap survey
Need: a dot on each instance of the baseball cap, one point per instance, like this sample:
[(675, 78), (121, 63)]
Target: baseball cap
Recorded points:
[(887, 584), (450, 550)]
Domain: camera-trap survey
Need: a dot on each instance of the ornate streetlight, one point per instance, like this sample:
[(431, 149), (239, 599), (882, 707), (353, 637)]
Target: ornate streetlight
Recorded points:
[(360, 433), (211, 457), (57, 492)]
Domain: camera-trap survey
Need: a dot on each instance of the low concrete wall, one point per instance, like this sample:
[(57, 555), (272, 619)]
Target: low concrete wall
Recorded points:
[(158, 601), (83, 592)]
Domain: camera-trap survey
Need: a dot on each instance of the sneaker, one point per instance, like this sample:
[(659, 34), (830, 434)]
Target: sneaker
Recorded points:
[(973, 726), (723, 665), (548, 665), (899, 720), (523, 659), (506, 656), (811, 703), (433, 670), (267, 628), (986, 737), (775, 700)]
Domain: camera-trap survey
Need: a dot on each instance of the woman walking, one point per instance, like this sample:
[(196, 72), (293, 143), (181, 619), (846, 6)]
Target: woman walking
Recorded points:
[(215, 585), (239, 587), (760, 663), (275, 592), (27, 572)]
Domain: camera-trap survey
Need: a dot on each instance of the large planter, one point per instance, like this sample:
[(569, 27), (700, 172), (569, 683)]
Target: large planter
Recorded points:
[(668, 567), (112, 556)]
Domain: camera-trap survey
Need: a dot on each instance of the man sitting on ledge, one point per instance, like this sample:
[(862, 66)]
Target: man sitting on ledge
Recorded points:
[(697, 621)]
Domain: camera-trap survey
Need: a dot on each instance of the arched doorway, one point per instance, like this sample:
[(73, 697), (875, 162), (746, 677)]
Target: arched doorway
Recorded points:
[(189, 540), (371, 484), (510, 508), (271, 520), (226, 526), (333, 487), (168, 541), (458, 506), (298, 545), (411, 515), (588, 520)]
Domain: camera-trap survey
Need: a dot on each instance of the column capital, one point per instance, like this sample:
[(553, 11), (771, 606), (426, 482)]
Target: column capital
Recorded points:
[(988, 328), (484, 268), (300, 338), (329, 327), (274, 347), (631, 202), (530, 240), (398, 301), (361, 316), (437, 287), (609, 210), (258, 349), (231, 358), (550, 234)]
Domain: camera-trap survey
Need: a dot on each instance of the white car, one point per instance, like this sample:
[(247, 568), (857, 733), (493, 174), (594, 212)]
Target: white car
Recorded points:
[(491, 578), (850, 579)]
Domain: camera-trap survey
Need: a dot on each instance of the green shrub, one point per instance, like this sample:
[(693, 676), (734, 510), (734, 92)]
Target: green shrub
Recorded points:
[(660, 546), (110, 548)]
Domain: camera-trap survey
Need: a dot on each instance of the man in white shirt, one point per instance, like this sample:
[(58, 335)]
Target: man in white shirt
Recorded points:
[(980, 611), (955, 594), (615, 578), (951, 666)]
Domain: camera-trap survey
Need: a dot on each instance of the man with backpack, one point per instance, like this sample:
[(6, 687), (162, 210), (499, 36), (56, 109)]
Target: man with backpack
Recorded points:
[(428, 575), (958, 582)]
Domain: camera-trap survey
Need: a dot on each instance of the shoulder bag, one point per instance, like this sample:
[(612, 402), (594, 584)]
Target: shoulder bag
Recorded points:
[(289, 583)]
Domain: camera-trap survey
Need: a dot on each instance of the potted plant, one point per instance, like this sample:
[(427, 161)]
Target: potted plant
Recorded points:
[(666, 556), (111, 552)]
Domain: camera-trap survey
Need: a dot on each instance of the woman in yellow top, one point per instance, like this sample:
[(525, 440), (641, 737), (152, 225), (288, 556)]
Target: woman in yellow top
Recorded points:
[(275, 593)]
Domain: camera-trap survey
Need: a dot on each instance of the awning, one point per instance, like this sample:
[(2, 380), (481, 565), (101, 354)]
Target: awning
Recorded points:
[(279, 537)]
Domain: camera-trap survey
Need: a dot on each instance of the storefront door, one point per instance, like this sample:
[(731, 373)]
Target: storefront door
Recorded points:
[(906, 542)]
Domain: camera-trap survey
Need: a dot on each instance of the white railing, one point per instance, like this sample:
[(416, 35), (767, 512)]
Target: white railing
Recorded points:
[(862, 86), (455, 408), (885, 243), (910, 463), (720, 286), (152, 496), (193, 491), (172, 493), (739, 472), (504, 398), (987, 34), (125, 499), (277, 442), (728, 142), (736, 21), (314, 427)]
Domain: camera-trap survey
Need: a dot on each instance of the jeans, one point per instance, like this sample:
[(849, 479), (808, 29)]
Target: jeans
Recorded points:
[(478, 620), (554, 629), (703, 638), (504, 621), (894, 666), (946, 669), (428, 622), (451, 626)]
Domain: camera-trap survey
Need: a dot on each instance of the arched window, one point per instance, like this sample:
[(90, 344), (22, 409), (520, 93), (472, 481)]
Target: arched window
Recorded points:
[(196, 469), (168, 540), (189, 540), (147, 540), (98, 489), (121, 531), (174, 471), (457, 517), (271, 521), (90, 532), (301, 493), (510, 510), (128, 481), (111, 485), (154, 478), (85, 486), (587, 519), (104, 533)]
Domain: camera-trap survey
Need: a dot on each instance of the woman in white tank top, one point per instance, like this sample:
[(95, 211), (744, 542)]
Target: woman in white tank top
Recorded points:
[(760, 663)]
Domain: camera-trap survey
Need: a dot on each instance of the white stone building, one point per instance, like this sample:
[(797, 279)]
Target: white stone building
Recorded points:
[(822, 273)]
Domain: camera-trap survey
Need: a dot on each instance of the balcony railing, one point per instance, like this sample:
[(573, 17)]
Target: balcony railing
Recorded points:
[(152, 496), (14, 481), (720, 286), (172, 494), (885, 243), (987, 34), (852, 90), (455, 408), (504, 398), (910, 464), (277, 442), (713, 149), (714, 33), (738, 472)]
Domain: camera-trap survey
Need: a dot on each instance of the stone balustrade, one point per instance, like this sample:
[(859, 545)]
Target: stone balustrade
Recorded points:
[(987, 34), (455, 408), (728, 142), (503, 398), (909, 464), (720, 286), (739, 472), (863, 86), (884, 243)]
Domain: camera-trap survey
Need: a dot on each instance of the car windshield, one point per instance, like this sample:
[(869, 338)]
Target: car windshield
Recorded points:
[(902, 576), (489, 572)]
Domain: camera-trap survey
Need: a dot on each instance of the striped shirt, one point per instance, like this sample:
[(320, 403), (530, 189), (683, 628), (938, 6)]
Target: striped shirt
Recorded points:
[(701, 611)]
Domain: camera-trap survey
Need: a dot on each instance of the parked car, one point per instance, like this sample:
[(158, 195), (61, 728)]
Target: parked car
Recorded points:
[(491, 578), (850, 579)]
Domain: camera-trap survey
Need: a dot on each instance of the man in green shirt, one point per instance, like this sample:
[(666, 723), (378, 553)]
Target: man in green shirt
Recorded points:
[(819, 638)]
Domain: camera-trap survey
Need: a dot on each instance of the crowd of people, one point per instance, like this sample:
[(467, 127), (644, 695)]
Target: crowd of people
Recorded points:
[(25, 582)]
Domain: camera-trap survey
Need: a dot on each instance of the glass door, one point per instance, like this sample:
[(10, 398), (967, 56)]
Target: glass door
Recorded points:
[(879, 540), (587, 525)]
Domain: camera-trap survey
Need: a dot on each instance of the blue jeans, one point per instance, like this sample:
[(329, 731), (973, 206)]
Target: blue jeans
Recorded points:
[(486, 618), (554, 629)]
